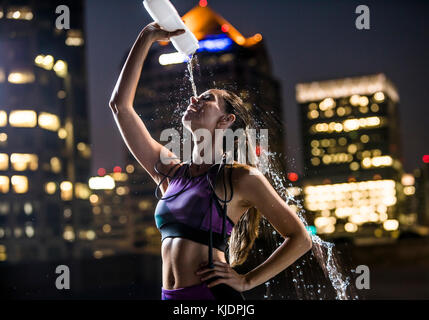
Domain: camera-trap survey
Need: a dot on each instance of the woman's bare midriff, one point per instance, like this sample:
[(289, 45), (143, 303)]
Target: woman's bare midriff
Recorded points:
[(181, 258)]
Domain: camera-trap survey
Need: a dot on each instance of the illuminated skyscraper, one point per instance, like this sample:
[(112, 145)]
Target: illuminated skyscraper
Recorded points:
[(422, 192), (226, 59), (352, 156), (44, 142)]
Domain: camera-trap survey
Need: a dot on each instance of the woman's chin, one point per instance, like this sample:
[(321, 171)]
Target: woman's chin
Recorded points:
[(189, 116)]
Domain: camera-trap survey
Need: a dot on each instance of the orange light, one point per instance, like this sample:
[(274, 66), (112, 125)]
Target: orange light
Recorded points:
[(225, 27), (257, 37), (203, 3), (240, 40)]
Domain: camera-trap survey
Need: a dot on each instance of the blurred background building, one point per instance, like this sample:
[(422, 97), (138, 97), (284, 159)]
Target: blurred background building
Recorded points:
[(354, 183), (44, 141)]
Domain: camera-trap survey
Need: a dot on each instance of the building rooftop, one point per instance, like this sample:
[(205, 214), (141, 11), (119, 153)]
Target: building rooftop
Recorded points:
[(365, 85), (203, 21)]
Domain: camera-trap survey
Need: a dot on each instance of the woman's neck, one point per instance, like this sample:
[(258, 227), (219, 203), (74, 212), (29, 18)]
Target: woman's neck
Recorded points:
[(207, 152)]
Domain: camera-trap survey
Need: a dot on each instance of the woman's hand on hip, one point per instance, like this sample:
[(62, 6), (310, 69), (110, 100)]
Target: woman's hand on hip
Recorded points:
[(224, 273), (156, 33)]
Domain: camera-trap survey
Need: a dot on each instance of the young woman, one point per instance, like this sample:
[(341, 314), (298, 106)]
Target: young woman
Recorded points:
[(191, 214)]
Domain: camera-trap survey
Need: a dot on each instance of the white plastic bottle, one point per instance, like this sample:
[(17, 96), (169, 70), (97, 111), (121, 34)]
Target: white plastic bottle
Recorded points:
[(165, 14)]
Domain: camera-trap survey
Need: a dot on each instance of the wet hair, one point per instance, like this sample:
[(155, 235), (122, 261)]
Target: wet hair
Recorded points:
[(246, 230)]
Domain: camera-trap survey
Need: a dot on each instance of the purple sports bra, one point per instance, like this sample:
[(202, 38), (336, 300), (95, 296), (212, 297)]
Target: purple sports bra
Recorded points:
[(190, 209)]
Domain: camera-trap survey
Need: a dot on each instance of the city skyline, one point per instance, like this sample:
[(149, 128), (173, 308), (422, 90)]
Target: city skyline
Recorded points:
[(295, 60), (54, 211)]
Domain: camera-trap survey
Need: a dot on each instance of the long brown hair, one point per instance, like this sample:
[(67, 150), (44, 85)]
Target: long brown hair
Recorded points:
[(246, 230)]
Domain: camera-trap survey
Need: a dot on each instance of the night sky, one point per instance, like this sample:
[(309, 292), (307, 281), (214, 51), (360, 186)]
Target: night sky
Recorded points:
[(306, 40)]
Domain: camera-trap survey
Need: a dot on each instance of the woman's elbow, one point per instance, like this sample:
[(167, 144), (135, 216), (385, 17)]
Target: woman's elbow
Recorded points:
[(113, 106), (306, 241)]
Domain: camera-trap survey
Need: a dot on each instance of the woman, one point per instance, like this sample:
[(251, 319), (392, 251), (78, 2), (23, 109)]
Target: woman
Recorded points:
[(191, 214)]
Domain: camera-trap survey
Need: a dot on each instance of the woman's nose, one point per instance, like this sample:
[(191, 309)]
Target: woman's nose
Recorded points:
[(194, 100)]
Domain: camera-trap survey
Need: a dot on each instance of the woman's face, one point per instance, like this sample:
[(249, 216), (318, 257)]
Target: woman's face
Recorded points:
[(205, 111)]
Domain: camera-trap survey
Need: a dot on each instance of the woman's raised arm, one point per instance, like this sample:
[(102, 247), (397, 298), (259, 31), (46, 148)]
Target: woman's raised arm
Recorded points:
[(144, 148)]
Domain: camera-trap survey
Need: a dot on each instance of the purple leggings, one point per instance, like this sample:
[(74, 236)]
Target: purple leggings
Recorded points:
[(196, 292)]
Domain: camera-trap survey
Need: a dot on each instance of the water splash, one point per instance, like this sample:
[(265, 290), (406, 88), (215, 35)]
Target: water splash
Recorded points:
[(322, 250), (191, 63)]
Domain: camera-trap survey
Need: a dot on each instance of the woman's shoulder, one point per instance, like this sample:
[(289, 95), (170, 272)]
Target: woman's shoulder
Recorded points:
[(242, 170)]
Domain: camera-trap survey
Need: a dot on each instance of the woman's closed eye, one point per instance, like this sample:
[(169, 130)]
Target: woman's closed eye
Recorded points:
[(206, 97)]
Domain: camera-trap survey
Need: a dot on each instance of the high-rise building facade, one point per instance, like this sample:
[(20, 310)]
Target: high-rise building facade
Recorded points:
[(352, 156), (44, 141), (225, 59), (422, 193)]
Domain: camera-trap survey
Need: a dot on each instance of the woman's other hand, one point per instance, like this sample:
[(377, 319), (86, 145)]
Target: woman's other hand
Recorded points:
[(156, 33), (223, 273)]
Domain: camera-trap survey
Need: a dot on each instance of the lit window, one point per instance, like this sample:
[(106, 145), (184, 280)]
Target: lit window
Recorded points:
[(354, 166), (66, 190), (375, 107), (19, 184), (313, 114), (45, 62), (3, 118), (102, 183), (2, 75), (74, 38), (227, 57), (329, 113), (24, 161), (82, 191), (364, 138), (1, 13), (327, 104), (21, 77), (341, 111), (28, 208), (68, 234), (23, 118), (363, 101), (379, 96), (62, 133), (17, 232), (4, 208), (4, 161), (49, 121), (4, 184), (84, 149), (60, 68), (354, 100), (172, 58), (50, 187), (19, 13), (145, 204), (107, 228), (29, 231), (129, 168), (55, 165)]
